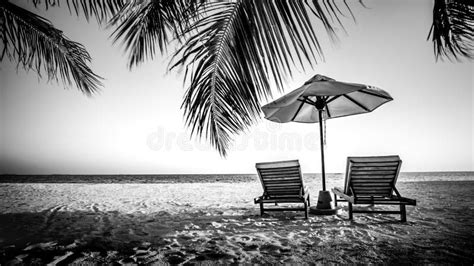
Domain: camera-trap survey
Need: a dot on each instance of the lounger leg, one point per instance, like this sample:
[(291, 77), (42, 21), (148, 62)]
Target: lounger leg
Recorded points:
[(350, 211), (305, 210), (335, 199), (261, 208), (403, 212)]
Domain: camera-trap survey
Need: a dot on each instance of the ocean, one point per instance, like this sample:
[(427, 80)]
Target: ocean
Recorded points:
[(337, 178)]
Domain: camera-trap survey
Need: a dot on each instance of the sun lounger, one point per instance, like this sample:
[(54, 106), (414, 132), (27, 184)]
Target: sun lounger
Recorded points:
[(371, 180), (282, 183)]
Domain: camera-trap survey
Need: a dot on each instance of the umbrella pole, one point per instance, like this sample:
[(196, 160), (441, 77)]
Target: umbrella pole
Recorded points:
[(324, 206), (321, 121)]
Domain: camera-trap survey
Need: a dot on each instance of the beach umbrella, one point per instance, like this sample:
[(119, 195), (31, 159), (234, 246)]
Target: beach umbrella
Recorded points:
[(322, 98)]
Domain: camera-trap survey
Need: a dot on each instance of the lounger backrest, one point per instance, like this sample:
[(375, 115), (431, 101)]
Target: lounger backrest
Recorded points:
[(372, 176), (280, 179)]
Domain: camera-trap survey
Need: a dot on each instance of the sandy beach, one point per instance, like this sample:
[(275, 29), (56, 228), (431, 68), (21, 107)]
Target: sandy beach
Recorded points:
[(218, 223)]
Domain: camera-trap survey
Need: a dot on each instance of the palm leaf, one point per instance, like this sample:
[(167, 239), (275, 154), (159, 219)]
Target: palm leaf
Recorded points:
[(144, 25), (236, 53), (35, 44), (101, 10), (452, 31)]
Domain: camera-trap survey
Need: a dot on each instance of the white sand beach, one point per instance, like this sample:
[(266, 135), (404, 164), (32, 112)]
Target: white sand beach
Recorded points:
[(218, 223)]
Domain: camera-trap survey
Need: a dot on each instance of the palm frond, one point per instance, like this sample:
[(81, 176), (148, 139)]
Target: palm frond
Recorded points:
[(221, 98), (101, 10), (452, 31), (35, 44), (144, 25), (234, 55)]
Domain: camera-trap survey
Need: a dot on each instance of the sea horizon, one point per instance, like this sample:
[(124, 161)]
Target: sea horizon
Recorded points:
[(211, 178), (311, 173)]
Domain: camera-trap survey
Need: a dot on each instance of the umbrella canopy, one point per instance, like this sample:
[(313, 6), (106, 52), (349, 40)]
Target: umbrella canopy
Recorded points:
[(334, 98), (323, 98)]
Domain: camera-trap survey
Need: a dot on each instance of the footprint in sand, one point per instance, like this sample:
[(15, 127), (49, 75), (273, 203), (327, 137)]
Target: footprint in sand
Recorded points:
[(249, 246), (271, 248), (245, 238), (217, 225), (50, 214), (94, 208), (104, 225)]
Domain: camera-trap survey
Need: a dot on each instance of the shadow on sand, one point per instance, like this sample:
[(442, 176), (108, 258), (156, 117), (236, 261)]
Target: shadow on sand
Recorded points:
[(193, 237)]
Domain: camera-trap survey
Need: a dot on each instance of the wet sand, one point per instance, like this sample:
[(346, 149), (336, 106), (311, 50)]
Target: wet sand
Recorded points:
[(218, 223)]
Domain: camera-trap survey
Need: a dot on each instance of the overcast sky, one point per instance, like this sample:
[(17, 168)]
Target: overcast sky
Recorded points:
[(135, 124)]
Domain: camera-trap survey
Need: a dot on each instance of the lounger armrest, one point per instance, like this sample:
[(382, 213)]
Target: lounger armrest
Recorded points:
[(257, 199), (305, 192), (407, 201), (339, 192), (399, 197)]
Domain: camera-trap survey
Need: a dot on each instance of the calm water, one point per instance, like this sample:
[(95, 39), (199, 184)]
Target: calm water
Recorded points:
[(227, 178)]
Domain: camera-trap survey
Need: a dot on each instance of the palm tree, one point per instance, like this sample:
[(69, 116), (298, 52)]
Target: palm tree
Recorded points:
[(233, 53)]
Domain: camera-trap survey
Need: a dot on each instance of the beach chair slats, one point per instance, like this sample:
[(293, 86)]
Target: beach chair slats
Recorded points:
[(375, 163), (283, 186), (280, 200), (358, 187), (374, 159), (282, 178), (278, 165), (371, 180), (296, 185), (285, 193), (279, 169), (282, 183), (371, 169), (356, 173), (294, 176), (372, 175), (293, 172), (374, 193), (282, 191), (371, 186), (277, 189), (293, 187)]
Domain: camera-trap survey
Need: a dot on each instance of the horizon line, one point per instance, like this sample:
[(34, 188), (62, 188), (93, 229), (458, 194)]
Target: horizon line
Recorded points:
[(201, 174)]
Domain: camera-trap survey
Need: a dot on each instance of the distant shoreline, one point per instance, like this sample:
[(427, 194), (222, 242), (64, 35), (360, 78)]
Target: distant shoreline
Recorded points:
[(211, 178), (206, 174)]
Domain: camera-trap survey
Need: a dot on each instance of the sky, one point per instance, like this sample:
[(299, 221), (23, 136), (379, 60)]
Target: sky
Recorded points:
[(135, 124)]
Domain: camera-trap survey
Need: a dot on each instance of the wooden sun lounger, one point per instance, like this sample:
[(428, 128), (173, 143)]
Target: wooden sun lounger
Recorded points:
[(282, 183), (371, 180)]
